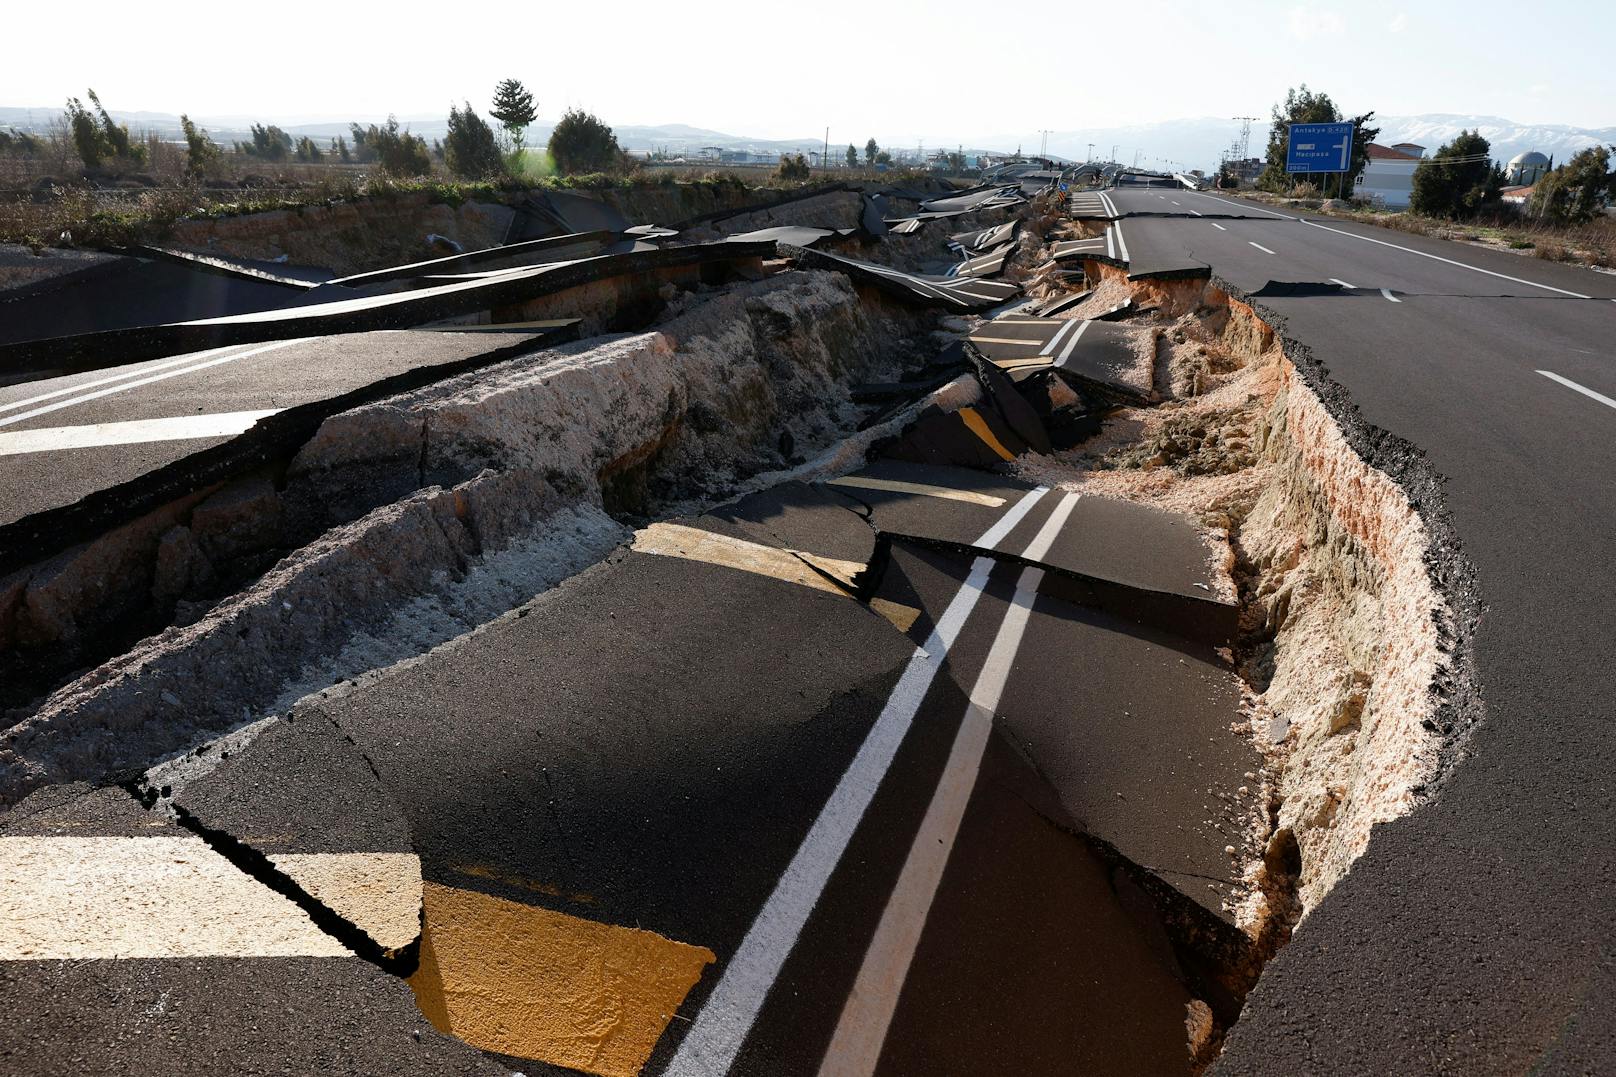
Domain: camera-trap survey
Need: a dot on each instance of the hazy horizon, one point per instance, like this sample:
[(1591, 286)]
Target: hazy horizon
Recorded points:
[(770, 73)]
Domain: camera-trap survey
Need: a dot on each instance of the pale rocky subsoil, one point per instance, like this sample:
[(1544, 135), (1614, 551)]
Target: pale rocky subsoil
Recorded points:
[(1341, 622)]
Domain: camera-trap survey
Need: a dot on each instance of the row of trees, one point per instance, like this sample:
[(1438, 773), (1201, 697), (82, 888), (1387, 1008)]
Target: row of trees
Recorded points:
[(1461, 181), (873, 155), (579, 143), (1458, 182)]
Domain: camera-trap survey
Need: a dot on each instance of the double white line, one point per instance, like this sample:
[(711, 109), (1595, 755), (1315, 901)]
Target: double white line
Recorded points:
[(715, 1039), (719, 1031), (117, 383)]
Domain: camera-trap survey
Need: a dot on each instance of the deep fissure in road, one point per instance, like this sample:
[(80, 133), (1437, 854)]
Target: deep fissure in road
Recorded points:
[(413, 519)]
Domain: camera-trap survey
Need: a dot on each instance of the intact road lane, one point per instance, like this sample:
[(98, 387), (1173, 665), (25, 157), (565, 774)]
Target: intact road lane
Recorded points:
[(1474, 935)]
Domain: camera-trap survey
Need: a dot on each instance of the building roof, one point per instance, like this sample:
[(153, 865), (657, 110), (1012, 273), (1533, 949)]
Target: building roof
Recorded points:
[(1378, 152)]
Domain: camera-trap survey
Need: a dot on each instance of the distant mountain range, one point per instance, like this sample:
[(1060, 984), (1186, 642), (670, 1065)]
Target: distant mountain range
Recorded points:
[(676, 138), (1201, 143), (1185, 143)]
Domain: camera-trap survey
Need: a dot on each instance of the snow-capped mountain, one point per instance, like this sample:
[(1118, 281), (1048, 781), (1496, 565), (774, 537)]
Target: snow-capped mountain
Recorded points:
[(1507, 137)]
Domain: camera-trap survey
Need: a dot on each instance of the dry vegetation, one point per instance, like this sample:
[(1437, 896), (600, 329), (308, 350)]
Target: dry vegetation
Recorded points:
[(1590, 244)]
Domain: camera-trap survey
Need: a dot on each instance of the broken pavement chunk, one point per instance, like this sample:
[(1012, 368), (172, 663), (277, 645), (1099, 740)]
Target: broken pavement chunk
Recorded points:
[(301, 796)]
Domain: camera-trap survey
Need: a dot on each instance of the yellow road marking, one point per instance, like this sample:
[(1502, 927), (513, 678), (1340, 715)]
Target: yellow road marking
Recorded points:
[(866, 482), (1022, 364), (902, 617), (148, 897), (694, 544), (542, 985), (978, 426)]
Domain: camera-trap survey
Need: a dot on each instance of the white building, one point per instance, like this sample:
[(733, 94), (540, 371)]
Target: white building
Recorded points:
[(1388, 177)]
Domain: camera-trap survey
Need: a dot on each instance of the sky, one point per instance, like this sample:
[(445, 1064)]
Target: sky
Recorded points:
[(903, 71)]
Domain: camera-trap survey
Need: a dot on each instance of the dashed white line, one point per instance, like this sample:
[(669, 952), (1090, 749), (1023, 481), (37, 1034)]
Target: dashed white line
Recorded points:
[(1195, 212), (1583, 389), (1218, 226), (1259, 246), (716, 1036), (1174, 201), (1387, 292), (1449, 261), (1344, 284)]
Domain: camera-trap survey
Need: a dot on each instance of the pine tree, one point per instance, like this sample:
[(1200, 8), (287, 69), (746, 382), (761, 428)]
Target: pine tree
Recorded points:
[(515, 109), (870, 150)]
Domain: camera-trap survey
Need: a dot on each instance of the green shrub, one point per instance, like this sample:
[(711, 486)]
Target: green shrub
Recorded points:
[(581, 143), (201, 152), (470, 150), (1459, 181), (394, 149)]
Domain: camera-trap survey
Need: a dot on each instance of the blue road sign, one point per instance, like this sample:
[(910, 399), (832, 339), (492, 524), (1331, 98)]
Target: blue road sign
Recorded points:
[(1319, 147)]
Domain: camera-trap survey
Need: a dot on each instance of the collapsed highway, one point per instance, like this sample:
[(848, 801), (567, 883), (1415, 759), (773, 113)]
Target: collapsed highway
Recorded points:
[(880, 631)]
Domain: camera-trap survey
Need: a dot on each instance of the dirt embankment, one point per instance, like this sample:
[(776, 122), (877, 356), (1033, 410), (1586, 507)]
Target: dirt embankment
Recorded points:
[(1346, 639)]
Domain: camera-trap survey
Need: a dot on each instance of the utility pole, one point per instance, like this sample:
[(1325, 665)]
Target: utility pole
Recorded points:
[(1090, 157), (824, 161), (1043, 146)]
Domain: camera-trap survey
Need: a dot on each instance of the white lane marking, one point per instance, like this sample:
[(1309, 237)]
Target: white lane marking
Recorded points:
[(101, 898), (1055, 339), (133, 432), (164, 376), (1174, 201), (1344, 284), (1259, 246), (1218, 226), (192, 357), (1449, 261), (1122, 244), (1195, 212), (995, 534), (917, 282), (1240, 205), (855, 1046), (1041, 542), (1583, 389), (1110, 244), (1066, 353), (721, 1027), (1387, 292)]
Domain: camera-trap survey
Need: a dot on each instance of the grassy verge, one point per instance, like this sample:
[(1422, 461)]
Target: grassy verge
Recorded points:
[(1591, 244)]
